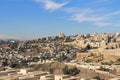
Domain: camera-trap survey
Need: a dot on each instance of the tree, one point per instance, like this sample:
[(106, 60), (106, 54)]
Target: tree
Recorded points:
[(51, 71), (4, 63), (88, 47), (74, 71), (65, 70), (22, 49), (14, 65), (118, 59), (71, 71), (23, 63)]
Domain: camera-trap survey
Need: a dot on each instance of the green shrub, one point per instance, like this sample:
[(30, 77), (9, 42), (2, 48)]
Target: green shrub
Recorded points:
[(38, 67), (71, 71)]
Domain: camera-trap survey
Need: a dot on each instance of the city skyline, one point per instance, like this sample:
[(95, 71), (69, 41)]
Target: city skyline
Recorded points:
[(29, 19)]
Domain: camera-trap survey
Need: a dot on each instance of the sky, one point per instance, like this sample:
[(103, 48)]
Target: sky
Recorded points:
[(30, 19)]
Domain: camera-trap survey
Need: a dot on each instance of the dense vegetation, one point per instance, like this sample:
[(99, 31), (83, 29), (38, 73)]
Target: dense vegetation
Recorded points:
[(70, 71)]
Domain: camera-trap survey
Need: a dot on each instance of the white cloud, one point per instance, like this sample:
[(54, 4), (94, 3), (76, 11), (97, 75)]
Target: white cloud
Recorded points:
[(77, 10), (82, 17), (102, 24), (51, 5), (91, 17), (114, 13)]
